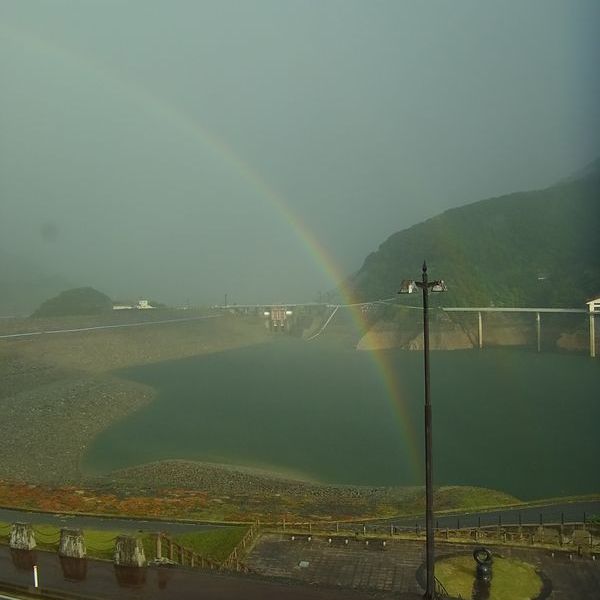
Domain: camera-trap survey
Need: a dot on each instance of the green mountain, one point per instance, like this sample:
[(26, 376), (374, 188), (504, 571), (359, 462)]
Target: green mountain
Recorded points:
[(536, 248)]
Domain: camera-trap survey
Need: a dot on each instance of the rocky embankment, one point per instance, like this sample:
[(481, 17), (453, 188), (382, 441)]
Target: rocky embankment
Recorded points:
[(46, 431), (243, 493), (57, 392)]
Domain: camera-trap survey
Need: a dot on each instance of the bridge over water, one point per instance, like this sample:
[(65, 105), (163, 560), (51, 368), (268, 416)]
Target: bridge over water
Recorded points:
[(279, 312)]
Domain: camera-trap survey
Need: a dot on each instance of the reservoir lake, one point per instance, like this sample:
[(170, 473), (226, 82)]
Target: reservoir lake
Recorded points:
[(510, 419)]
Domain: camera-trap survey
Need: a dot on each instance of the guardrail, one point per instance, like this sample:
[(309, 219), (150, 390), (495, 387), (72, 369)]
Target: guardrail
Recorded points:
[(233, 561), (577, 537)]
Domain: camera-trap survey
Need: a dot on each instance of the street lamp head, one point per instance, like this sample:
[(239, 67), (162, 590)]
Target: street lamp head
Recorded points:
[(408, 286), (439, 286)]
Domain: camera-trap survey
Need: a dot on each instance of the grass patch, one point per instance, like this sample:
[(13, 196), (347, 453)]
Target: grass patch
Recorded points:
[(99, 544), (511, 580), (215, 543)]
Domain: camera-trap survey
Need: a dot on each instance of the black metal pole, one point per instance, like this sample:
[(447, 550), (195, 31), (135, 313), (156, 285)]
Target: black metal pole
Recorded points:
[(429, 553)]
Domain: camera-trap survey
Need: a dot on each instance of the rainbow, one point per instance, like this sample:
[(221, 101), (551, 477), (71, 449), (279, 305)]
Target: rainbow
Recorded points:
[(187, 125)]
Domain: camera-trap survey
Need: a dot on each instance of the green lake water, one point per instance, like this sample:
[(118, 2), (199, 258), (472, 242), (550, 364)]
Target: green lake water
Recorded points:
[(509, 419)]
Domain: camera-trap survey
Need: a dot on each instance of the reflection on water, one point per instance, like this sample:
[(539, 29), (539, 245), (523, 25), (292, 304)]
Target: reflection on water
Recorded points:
[(325, 411), (23, 560), (74, 569), (481, 590), (128, 577), (163, 577)]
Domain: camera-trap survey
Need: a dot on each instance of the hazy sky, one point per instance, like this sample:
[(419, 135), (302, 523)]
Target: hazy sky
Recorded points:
[(175, 149)]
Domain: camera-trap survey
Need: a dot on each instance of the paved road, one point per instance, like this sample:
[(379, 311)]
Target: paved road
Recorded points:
[(97, 327), (101, 523), (549, 513)]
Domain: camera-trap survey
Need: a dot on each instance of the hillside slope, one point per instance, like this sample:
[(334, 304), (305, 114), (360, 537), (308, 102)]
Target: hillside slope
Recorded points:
[(537, 248)]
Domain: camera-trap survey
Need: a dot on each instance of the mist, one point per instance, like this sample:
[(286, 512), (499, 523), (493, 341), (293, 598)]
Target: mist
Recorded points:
[(185, 150)]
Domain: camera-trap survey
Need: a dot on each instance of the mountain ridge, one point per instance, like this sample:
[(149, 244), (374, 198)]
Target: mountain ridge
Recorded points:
[(529, 248)]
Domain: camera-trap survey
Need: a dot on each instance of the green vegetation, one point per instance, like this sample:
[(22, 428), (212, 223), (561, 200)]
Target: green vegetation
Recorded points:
[(470, 498), (78, 301), (216, 544), (99, 544), (511, 579), (594, 520), (524, 249)]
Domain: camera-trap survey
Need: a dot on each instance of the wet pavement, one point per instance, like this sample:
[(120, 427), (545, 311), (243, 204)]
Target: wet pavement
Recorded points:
[(393, 568), (103, 581)]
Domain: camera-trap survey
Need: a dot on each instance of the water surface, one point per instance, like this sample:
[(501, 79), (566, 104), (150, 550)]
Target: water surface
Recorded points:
[(509, 419)]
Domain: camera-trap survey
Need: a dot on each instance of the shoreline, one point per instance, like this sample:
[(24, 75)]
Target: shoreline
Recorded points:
[(57, 393)]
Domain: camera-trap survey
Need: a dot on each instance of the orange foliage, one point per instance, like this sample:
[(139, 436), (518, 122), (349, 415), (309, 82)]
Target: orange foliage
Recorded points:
[(171, 502)]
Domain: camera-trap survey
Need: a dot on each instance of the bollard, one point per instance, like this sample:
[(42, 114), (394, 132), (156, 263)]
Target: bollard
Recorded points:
[(158, 546), (329, 540), (22, 537), (72, 543), (129, 552), (346, 541)]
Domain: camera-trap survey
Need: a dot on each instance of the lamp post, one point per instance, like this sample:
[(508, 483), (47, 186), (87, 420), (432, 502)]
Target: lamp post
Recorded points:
[(408, 286)]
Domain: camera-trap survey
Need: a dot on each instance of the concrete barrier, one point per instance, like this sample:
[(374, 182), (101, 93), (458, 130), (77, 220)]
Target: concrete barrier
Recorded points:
[(129, 552), (22, 537), (72, 543)]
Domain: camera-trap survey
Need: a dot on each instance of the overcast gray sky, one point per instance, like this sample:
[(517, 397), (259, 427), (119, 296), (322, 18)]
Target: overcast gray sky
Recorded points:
[(184, 149)]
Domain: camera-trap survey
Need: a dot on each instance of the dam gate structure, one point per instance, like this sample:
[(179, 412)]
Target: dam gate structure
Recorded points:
[(594, 307)]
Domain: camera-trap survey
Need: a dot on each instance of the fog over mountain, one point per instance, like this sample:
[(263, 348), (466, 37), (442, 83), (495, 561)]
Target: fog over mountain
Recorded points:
[(536, 248), (183, 150)]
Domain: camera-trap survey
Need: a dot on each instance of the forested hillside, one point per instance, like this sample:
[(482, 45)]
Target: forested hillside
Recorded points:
[(537, 248)]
